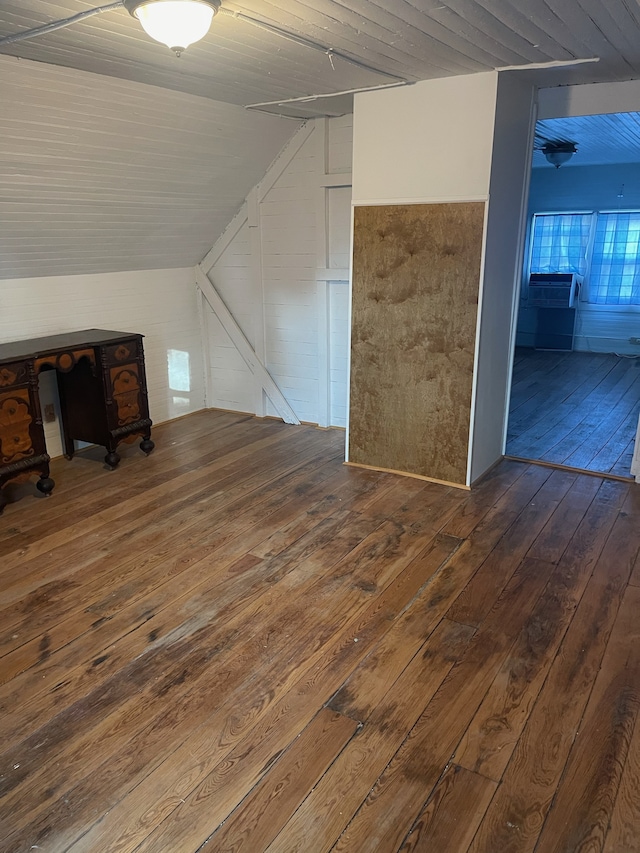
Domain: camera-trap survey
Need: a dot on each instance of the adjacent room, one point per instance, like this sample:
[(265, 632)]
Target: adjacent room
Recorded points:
[(575, 395), (271, 578)]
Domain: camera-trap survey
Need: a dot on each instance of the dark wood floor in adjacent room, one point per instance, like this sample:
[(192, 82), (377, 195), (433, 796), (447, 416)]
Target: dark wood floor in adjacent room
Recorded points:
[(575, 408), (240, 644)]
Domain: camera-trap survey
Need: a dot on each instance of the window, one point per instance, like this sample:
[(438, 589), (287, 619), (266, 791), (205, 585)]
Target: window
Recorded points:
[(560, 242), (609, 262), (615, 266)]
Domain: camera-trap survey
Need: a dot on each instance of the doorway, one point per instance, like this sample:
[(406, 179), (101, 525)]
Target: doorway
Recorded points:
[(575, 398)]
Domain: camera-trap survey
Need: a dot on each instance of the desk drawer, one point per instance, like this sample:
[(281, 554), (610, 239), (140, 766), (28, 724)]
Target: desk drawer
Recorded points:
[(12, 374), (125, 388), (122, 352), (15, 426)]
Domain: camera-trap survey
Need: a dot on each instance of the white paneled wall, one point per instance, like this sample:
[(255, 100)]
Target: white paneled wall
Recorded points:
[(339, 215), (610, 330), (338, 351), (160, 304), (282, 269), (340, 151), (230, 378)]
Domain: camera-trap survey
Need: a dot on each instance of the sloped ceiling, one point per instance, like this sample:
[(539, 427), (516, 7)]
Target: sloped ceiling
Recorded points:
[(114, 154), (99, 174)]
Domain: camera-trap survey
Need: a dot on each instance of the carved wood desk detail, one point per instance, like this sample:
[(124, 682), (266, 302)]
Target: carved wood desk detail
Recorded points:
[(103, 399)]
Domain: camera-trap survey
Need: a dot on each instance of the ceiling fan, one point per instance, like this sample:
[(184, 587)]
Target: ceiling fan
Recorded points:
[(557, 151)]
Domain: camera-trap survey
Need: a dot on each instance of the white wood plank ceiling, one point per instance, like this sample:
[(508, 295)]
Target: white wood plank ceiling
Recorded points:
[(104, 175), (599, 139), (411, 39), (116, 155)]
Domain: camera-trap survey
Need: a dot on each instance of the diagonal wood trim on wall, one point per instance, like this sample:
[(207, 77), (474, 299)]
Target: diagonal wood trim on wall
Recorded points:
[(244, 348), (416, 273)]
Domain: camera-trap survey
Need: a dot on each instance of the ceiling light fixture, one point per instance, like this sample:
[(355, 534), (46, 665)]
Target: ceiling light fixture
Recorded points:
[(176, 23), (179, 23), (558, 153)]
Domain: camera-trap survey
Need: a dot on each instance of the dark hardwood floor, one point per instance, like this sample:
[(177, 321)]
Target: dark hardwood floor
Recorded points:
[(240, 644), (575, 408)]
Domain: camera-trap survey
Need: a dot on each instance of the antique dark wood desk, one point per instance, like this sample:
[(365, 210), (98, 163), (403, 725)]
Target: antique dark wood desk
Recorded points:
[(103, 399)]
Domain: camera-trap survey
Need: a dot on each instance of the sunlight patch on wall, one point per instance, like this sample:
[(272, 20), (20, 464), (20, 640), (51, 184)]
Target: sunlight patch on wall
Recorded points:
[(180, 406), (178, 365), (179, 376)]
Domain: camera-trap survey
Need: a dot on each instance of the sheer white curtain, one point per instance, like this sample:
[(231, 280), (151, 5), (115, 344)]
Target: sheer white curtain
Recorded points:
[(560, 242), (614, 278)]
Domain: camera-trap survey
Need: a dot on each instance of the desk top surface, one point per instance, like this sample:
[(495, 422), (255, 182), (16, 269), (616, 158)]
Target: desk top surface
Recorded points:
[(34, 347)]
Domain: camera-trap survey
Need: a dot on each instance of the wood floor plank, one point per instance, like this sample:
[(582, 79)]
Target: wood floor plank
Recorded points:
[(359, 694), (179, 634), (582, 414), (371, 553), (623, 827), (162, 669), (552, 372), (428, 504), (609, 454), (604, 421), (373, 679), (221, 779), (634, 580), (478, 596), (564, 383), (161, 477), (100, 597), (107, 592), (400, 792), (483, 496), (451, 816), (622, 467), (79, 539), (87, 477), (468, 520), (590, 783), (108, 621), (572, 385), (516, 815), (448, 584), (253, 825), (323, 815), (490, 739), (554, 537)]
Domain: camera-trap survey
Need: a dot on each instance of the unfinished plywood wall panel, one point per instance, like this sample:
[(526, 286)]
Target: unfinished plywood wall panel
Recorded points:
[(416, 273)]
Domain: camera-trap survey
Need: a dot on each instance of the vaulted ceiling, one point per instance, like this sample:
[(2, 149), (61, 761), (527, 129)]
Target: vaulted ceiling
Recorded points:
[(115, 154)]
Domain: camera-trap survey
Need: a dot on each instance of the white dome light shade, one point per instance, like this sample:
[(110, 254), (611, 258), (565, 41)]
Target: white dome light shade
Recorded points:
[(176, 23), (558, 152)]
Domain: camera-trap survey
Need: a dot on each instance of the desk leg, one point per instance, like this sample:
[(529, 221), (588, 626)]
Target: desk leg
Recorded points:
[(146, 445), (45, 485), (111, 459)]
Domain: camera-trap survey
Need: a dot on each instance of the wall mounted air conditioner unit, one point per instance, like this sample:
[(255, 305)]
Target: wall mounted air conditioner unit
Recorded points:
[(552, 290)]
